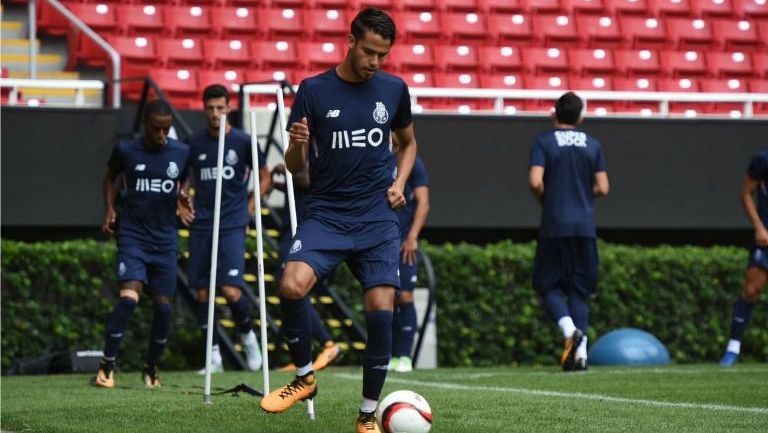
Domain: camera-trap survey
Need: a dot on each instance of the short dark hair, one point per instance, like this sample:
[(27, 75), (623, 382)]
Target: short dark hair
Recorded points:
[(157, 107), (376, 21), (568, 109), (215, 91)]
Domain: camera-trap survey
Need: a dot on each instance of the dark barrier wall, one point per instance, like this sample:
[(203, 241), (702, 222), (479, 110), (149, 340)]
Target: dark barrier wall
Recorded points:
[(53, 161), (664, 174)]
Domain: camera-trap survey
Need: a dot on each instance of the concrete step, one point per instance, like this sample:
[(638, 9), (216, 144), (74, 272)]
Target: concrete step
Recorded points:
[(20, 62), (12, 29), (47, 75), (59, 96), (17, 46)]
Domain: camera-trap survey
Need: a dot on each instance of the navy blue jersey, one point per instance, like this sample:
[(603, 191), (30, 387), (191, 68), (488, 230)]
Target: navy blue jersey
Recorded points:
[(570, 159), (349, 155), (758, 170), (151, 187), (417, 179), (235, 176)]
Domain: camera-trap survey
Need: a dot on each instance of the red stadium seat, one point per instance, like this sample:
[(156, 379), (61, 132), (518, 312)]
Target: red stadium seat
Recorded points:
[(602, 82), (188, 20), (179, 84), (457, 80), (627, 7), (592, 61), (387, 5), (515, 27), (499, 6), (320, 55), (637, 62), (456, 58), (555, 29), (686, 85), (419, 79), (712, 8), (459, 5), (642, 31), (221, 53), (545, 60), (599, 29), (683, 63), (542, 6), (418, 26), (50, 21), (735, 63), (416, 5), (751, 8), (325, 23), (136, 50), (267, 76), (140, 19), (180, 52), (231, 78), (723, 85), (680, 8), (758, 86), (406, 57), (499, 81), (499, 59), (275, 54), (464, 26), (687, 32), (331, 4), (547, 82), (279, 23), (760, 62), (99, 17), (290, 4), (229, 21), (574, 7), (736, 33), (635, 84)]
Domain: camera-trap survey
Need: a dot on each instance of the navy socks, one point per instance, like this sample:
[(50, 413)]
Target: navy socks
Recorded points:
[(118, 322), (161, 326), (742, 312), (297, 330), (377, 352), (404, 329)]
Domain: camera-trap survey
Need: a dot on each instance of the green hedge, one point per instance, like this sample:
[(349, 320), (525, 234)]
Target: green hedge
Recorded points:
[(58, 295)]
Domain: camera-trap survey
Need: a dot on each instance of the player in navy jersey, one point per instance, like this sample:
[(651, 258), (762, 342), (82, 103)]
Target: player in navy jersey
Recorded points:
[(331, 351), (235, 206), (412, 217), (341, 122), (757, 266), (152, 167), (566, 172)]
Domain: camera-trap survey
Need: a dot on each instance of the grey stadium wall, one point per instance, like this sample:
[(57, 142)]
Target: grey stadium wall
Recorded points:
[(665, 174)]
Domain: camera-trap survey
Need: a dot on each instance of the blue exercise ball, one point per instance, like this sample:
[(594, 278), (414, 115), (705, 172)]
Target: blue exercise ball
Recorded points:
[(628, 346)]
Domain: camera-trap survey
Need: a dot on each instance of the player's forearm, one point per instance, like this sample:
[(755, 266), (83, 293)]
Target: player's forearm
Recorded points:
[(109, 191), (406, 157), (748, 202), (265, 182), (419, 220), (294, 157)]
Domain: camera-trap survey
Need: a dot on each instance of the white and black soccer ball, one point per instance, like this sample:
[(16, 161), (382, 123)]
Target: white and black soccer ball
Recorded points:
[(404, 412)]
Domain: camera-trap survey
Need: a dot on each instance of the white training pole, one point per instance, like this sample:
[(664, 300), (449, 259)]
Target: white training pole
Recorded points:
[(260, 253), (291, 201), (214, 258)]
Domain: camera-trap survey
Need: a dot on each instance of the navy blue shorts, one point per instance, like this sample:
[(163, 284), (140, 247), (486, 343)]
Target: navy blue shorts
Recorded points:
[(409, 274), (231, 262), (156, 269), (568, 264), (758, 258), (370, 249)]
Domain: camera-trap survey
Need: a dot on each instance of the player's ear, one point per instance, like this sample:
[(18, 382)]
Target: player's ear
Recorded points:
[(351, 41)]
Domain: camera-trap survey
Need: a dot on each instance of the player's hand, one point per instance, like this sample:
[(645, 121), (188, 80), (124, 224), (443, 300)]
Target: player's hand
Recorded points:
[(395, 196), (110, 216), (279, 169), (761, 236), (408, 250), (252, 205), (299, 132), (186, 209)]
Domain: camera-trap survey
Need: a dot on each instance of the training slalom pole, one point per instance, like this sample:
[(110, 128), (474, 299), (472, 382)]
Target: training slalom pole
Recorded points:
[(214, 258), (260, 252), (291, 201)]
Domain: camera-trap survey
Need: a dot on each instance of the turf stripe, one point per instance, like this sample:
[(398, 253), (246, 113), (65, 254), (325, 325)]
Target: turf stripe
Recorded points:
[(598, 397)]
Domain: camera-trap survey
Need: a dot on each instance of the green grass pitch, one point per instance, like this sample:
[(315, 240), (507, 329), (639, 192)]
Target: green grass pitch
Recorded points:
[(695, 398)]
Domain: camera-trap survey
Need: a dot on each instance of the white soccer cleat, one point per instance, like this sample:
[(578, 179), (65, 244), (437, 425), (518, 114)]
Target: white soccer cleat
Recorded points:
[(252, 351)]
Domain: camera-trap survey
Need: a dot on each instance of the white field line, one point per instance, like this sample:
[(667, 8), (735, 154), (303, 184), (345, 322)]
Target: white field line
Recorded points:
[(559, 394)]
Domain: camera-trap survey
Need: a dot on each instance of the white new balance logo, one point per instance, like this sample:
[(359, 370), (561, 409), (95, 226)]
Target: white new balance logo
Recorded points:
[(333, 113), (140, 167)]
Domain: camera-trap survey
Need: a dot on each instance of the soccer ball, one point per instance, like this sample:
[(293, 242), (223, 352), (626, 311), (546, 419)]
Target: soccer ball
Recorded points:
[(404, 412)]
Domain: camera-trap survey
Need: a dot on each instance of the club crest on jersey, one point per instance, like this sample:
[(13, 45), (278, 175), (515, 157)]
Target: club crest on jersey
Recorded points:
[(380, 114), (231, 157), (121, 268), (296, 247), (202, 157), (173, 170)]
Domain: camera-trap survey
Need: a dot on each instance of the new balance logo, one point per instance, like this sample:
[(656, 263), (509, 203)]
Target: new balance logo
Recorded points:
[(357, 138), (292, 340), (202, 157), (380, 367), (333, 113), (233, 272), (140, 167)]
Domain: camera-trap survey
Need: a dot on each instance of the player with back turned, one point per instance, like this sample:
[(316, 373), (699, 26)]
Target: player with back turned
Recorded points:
[(341, 122)]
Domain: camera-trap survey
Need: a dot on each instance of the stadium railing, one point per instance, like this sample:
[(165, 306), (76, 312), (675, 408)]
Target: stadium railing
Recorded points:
[(80, 86)]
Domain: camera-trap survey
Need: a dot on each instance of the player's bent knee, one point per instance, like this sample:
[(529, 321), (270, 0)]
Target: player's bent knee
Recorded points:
[(130, 294), (202, 295), (293, 288), (231, 293), (752, 292), (405, 297)]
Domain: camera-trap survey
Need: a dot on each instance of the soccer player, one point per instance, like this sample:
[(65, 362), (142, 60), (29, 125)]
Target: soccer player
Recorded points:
[(757, 266), (331, 351), (235, 206), (412, 217), (341, 121), (566, 172), (152, 167)]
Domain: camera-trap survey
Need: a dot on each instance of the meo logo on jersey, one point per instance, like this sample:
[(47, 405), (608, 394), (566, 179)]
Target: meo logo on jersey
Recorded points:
[(155, 185), (357, 138), (209, 173)]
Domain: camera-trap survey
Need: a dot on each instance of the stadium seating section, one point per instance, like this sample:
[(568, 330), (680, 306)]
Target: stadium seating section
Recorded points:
[(628, 45)]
